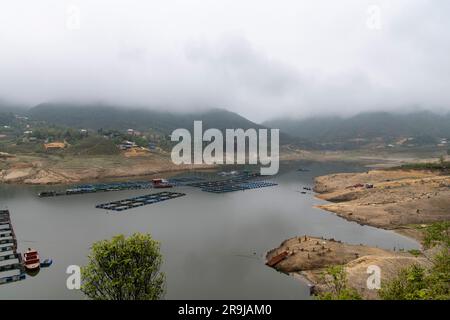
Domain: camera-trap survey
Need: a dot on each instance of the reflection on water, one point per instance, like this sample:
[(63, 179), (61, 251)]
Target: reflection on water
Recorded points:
[(213, 244)]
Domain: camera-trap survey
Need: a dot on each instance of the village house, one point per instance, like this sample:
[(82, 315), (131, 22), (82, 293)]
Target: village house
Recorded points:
[(134, 133), (54, 146), (125, 145)]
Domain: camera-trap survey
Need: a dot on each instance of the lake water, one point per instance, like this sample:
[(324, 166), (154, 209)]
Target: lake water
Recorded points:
[(213, 244)]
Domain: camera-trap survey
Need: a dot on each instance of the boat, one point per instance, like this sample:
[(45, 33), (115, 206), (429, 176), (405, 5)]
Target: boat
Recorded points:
[(46, 263), (47, 194), (161, 183), (31, 260), (277, 259)]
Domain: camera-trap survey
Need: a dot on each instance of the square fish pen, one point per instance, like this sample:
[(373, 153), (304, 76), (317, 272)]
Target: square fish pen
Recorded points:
[(238, 187), (139, 201), (238, 183)]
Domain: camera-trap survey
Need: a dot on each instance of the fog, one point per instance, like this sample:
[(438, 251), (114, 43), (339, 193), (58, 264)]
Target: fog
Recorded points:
[(262, 59)]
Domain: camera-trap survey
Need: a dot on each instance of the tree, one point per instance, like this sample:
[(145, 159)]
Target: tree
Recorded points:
[(124, 269), (419, 283), (337, 281), (438, 232)]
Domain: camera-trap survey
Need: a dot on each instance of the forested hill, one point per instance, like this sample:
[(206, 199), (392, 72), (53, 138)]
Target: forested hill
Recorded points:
[(374, 125), (119, 118)]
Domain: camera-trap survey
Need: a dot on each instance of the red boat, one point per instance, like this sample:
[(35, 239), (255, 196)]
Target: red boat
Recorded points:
[(31, 260), (161, 183), (277, 259)]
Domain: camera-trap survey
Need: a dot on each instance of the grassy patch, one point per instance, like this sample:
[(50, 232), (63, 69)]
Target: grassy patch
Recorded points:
[(415, 252), (93, 146), (438, 166)]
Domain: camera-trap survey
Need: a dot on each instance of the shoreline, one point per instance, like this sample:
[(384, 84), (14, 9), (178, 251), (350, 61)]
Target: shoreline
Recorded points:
[(397, 200), (308, 257), (377, 198), (58, 171), (54, 169)]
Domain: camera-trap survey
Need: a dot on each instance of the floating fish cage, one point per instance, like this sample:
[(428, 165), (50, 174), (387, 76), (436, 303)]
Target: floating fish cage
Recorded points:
[(101, 187), (14, 278), (8, 251), (10, 256), (140, 201), (218, 183), (8, 248), (238, 187), (6, 234), (182, 181), (6, 241), (119, 186), (244, 181)]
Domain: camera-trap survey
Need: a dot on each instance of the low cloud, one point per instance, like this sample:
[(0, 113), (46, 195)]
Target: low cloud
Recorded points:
[(259, 58)]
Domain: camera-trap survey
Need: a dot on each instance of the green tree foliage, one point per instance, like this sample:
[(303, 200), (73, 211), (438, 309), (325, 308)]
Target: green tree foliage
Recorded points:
[(436, 233), (94, 145), (337, 280), (54, 133), (418, 283), (124, 269)]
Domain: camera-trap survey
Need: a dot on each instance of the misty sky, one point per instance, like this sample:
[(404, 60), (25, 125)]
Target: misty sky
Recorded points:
[(260, 58)]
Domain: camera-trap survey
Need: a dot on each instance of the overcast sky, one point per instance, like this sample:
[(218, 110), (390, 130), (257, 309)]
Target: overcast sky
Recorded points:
[(260, 58)]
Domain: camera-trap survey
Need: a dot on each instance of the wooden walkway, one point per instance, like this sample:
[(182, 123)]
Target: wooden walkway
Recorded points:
[(8, 251)]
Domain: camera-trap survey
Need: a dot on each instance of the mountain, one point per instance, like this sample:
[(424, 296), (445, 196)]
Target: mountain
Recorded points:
[(10, 107), (112, 117), (367, 126)]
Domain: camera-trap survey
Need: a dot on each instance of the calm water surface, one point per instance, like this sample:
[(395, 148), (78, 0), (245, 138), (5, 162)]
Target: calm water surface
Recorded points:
[(213, 245)]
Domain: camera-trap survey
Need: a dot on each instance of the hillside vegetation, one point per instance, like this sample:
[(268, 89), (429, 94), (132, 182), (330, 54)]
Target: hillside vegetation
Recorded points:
[(423, 127)]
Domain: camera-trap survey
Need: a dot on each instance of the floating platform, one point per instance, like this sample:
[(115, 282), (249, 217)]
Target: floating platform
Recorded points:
[(9, 252), (14, 278), (6, 241), (238, 183), (10, 256), (12, 266), (6, 234), (9, 248), (101, 187), (183, 181), (239, 187), (140, 201)]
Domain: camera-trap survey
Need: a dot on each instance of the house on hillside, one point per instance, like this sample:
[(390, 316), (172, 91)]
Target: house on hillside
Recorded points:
[(136, 152), (152, 145), (54, 146), (125, 145), (134, 133)]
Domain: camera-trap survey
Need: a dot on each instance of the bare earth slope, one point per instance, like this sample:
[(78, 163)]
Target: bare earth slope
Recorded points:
[(389, 199), (398, 197), (56, 169), (309, 257)]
